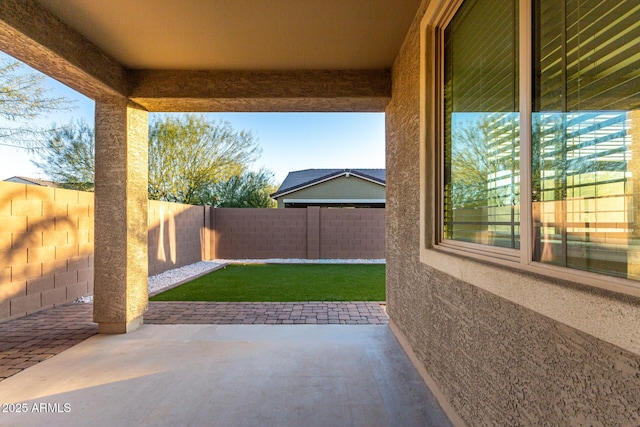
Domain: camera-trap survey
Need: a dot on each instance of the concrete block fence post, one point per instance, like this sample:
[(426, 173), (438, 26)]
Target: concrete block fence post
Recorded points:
[(313, 232)]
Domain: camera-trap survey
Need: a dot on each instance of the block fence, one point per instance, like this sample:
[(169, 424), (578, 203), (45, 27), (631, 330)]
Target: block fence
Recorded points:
[(46, 240), (46, 247), (310, 233), (178, 235)]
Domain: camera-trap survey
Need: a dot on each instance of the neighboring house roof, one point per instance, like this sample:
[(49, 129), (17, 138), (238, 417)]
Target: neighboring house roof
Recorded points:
[(298, 180), (32, 181)]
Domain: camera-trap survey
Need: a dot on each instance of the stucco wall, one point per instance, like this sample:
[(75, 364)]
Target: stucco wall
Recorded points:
[(492, 358), (338, 188)]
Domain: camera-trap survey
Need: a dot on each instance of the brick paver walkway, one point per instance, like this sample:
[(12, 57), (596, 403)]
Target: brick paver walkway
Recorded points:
[(356, 313), (31, 339)]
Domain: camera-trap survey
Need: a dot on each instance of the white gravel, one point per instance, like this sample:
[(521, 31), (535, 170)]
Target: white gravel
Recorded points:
[(300, 261), (177, 275), (180, 275), (171, 277)]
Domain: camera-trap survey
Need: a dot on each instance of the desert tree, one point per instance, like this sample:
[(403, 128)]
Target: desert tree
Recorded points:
[(247, 190), (190, 160), (67, 157), (188, 154), (23, 99)]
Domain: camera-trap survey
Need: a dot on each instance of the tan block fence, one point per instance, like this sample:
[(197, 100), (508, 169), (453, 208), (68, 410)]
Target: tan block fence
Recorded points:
[(46, 240)]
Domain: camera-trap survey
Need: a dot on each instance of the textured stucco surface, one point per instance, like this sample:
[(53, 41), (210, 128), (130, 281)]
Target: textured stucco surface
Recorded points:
[(39, 39), (121, 261), (311, 90), (494, 361)]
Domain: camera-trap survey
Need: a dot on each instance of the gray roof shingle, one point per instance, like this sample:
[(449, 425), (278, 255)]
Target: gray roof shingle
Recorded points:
[(32, 181), (306, 177)]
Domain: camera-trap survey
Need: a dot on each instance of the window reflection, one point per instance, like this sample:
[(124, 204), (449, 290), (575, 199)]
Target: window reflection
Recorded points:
[(481, 125), (583, 190), (482, 193), (585, 135)]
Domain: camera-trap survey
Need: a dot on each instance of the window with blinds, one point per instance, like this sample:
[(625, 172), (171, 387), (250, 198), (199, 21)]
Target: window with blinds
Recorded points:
[(481, 125), (586, 135)]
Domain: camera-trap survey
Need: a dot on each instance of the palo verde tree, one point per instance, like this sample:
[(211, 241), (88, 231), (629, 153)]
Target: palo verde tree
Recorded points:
[(23, 99), (68, 156), (188, 154), (249, 190), (191, 160)]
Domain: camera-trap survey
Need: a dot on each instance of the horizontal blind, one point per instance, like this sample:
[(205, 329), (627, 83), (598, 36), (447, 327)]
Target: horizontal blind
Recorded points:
[(593, 46), (481, 52), (481, 146), (587, 87)]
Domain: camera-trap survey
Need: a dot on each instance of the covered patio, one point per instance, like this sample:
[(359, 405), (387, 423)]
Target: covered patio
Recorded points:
[(176, 372), (500, 336), (133, 58)]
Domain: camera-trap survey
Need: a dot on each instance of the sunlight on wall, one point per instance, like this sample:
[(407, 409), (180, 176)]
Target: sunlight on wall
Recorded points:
[(171, 231)]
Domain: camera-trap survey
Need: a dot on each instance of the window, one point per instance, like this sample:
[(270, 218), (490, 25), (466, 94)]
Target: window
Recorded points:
[(481, 130), (585, 167), (554, 100)]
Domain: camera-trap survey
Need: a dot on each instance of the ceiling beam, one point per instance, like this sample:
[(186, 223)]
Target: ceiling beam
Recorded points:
[(33, 35), (261, 91), (37, 38)]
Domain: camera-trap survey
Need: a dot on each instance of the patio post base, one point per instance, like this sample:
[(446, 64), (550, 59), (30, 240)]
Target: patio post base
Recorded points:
[(109, 328)]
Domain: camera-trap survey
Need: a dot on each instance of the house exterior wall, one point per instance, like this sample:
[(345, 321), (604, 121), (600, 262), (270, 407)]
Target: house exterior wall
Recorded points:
[(498, 346), (338, 188)]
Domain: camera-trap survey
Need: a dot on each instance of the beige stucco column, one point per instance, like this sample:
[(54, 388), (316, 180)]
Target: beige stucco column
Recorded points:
[(121, 263)]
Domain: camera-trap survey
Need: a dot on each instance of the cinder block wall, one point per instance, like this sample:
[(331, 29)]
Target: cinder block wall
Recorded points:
[(177, 235), (494, 361), (46, 240), (46, 247), (258, 233), (310, 233), (46, 244), (352, 233)]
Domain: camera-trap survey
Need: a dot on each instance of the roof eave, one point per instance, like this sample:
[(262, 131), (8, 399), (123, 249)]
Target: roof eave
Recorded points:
[(328, 178)]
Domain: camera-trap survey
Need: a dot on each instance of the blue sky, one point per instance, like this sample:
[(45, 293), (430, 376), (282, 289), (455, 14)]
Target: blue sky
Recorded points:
[(289, 141)]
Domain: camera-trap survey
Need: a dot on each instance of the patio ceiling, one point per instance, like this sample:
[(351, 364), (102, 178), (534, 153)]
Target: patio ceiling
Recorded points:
[(242, 34), (215, 55)]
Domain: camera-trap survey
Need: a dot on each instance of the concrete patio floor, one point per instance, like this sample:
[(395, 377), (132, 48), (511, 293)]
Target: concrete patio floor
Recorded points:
[(28, 340), (226, 375)]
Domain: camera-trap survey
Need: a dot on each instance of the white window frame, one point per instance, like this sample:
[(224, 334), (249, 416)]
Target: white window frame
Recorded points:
[(436, 18)]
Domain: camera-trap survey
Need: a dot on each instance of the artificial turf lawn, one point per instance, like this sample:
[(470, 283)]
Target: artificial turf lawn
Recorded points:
[(284, 283)]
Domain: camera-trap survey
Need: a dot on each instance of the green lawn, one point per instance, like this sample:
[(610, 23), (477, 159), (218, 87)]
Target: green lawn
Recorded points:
[(284, 283)]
